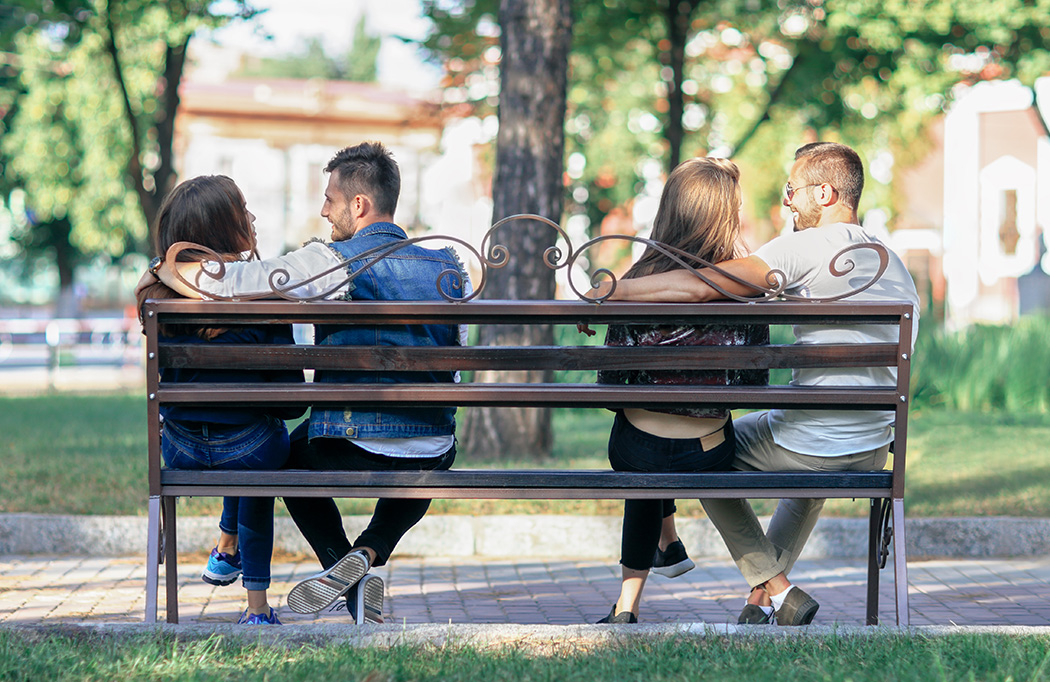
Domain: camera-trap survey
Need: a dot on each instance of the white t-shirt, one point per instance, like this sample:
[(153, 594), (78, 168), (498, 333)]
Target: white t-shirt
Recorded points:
[(804, 257)]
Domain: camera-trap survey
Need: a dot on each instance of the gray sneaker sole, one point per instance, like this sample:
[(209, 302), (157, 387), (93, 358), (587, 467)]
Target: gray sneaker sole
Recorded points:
[(320, 591), (371, 593)]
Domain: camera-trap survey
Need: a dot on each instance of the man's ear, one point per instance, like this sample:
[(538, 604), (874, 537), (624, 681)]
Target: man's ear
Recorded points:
[(825, 195), (360, 206)]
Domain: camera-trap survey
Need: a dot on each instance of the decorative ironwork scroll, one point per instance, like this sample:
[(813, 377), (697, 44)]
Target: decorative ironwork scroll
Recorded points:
[(493, 255)]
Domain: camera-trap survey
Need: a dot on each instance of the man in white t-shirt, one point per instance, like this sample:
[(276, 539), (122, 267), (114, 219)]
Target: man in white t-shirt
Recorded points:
[(823, 191)]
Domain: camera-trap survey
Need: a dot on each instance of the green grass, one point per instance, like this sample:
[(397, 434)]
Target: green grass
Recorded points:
[(57, 658), (985, 367), (66, 454)]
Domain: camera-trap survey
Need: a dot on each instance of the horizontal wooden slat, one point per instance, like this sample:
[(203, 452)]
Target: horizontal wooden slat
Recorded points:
[(401, 358), (528, 395), (526, 312), (526, 484)]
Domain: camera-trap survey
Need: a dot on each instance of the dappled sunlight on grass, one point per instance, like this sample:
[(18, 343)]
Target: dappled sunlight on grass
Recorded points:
[(87, 455)]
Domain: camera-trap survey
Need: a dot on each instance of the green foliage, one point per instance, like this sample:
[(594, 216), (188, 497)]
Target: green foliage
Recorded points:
[(761, 77), (361, 60), (27, 655), (985, 368), (68, 161), (359, 64), (87, 107)]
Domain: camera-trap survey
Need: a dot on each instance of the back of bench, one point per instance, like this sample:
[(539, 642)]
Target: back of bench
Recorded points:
[(581, 357)]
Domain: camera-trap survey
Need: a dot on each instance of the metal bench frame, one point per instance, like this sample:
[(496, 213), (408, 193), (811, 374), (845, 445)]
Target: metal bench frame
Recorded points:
[(885, 489)]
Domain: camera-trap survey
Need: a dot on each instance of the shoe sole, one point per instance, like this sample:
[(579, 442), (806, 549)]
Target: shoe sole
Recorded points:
[(220, 580), (370, 595), (320, 591), (674, 570)]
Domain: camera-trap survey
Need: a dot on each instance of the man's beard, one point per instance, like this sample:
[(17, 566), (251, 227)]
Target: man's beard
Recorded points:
[(343, 227), (805, 219)]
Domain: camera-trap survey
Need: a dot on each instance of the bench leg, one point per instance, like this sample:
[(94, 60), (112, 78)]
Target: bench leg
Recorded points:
[(874, 538), (153, 558), (171, 572), (900, 563)]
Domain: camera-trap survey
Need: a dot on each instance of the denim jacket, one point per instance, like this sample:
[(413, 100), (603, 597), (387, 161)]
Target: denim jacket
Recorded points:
[(411, 273)]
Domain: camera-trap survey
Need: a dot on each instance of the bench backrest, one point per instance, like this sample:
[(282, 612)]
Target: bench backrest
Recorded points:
[(574, 356)]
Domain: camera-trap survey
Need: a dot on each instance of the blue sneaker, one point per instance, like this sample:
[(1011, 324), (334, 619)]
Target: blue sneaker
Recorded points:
[(222, 568), (259, 618)]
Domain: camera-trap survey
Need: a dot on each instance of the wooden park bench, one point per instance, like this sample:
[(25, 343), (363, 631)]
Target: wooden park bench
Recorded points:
[(885, 489)]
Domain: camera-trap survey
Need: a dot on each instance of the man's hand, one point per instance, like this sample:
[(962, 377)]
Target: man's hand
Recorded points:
[(148, 279)]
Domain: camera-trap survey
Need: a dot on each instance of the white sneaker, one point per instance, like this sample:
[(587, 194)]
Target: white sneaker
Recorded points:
[(321, 590)]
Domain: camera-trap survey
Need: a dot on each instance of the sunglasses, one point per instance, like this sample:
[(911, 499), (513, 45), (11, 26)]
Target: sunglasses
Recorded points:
[(789, 191)]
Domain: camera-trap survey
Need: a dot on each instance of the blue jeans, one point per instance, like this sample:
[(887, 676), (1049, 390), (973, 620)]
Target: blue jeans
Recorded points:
[(262, 445), (631, 449)]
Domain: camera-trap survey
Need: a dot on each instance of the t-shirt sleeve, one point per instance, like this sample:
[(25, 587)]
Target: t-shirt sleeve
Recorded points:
[(251, 278), (798, 255)]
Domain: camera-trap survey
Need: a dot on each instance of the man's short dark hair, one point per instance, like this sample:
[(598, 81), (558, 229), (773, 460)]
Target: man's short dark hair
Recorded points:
[(835, 164), (369, 169)]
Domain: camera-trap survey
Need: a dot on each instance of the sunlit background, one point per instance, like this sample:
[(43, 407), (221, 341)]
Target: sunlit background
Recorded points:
[(946, 109)]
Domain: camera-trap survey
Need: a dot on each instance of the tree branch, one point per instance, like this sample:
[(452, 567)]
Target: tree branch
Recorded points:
[(134, 167), (174, 62), (773, 98)]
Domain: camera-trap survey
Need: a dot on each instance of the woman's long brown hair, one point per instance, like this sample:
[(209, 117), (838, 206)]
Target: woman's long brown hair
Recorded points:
[(699, 213), (208, 210)]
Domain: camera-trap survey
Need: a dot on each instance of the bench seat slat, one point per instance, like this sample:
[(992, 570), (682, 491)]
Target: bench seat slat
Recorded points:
[(530, 395), (400, 358), (537, 478), (527, 493), (527, 484)]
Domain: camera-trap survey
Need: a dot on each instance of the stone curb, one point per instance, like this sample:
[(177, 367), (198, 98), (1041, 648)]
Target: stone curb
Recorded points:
[(534, 637), (582, 537)]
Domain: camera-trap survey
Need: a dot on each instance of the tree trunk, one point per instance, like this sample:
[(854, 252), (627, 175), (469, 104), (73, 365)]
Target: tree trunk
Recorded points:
[(530, 147), (678, 14), (150, 185)]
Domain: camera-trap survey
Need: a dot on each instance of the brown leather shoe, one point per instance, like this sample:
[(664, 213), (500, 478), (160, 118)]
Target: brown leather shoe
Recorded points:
[(798, 609)]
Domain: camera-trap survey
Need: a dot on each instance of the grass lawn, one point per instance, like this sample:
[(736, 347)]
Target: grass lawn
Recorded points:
[(69, 454), (860, 659)]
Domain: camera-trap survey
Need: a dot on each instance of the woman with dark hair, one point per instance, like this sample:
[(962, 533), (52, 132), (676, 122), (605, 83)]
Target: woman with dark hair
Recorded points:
[(210, 211), (699, 213)]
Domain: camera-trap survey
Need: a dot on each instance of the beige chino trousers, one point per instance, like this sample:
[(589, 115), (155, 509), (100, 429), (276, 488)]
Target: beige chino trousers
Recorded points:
[(761, 555)]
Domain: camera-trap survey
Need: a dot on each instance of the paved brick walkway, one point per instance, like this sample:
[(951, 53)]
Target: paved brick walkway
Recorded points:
[(41, 590)]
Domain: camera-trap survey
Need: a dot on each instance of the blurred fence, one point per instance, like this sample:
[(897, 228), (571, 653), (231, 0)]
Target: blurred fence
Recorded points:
[(59, 353)]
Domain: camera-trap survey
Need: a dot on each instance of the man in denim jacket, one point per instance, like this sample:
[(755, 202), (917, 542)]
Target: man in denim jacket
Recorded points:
[(360, 199)]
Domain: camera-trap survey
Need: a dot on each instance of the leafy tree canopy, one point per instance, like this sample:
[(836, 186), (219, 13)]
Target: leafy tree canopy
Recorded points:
[(758, 78), (88, 91)]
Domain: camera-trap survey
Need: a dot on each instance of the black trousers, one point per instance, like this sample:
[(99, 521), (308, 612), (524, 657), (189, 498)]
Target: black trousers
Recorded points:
[(631, 449), (318, 518)]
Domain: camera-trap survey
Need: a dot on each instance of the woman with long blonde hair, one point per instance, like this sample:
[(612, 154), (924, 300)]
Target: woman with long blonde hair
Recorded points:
[(699, 213)]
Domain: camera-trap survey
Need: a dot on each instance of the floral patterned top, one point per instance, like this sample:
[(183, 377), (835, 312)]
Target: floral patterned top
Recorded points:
[(700, 335)]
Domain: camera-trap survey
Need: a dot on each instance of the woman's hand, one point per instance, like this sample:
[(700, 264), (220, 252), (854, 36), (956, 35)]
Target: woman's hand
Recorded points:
[(585, 328)]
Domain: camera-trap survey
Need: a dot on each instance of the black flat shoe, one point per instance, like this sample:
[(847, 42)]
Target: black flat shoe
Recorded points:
[(754, 615), (621, 618)]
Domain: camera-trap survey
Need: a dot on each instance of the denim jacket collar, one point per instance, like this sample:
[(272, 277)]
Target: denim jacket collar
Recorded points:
[(381, 227)]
